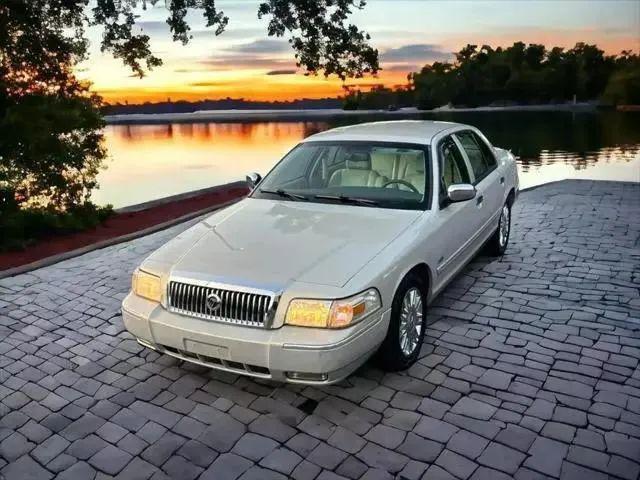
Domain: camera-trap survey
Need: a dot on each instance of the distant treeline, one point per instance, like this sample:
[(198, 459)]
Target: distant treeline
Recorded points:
[(519, 74), (182, 106)]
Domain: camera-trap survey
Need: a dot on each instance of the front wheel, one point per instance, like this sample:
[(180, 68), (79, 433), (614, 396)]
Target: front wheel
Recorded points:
[(498, 242), (401, 346)]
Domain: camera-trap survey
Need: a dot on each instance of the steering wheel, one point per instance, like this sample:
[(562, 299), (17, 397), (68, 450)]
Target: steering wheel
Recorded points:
[(401, 182)]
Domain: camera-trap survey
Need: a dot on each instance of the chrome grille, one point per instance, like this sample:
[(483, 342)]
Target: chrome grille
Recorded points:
[(234, 306)]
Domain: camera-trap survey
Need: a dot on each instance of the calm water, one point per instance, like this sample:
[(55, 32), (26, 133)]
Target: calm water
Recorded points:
[(153, 161)]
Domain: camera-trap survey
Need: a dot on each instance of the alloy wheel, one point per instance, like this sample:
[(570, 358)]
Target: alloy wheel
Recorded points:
[(410, 321), (504, 226)]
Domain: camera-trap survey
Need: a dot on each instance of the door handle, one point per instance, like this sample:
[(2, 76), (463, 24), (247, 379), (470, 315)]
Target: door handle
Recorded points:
[(501, 180), (479, 200)]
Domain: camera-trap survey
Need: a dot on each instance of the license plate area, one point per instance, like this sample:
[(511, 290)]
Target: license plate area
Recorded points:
[(209, 350)]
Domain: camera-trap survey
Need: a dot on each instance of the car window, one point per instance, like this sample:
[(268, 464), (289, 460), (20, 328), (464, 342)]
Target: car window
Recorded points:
[(486, 151), (453, 169), (392, 175), (479, 154), (300, 160), (326, 162)]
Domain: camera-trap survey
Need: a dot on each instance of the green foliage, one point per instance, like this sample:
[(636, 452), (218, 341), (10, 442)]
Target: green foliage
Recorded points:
[(352, 100), (623, 87), (437, 86), (321, 37), (22, 227), (521, 74), (51, 142), (50, 125), (517, 74), (378, 98), (318, 31)]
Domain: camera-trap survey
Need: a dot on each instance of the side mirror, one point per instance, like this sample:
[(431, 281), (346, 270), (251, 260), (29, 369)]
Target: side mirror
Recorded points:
[(253, 179), (461, 192)]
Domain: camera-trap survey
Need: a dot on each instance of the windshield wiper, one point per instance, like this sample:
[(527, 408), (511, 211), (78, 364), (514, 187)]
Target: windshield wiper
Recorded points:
[(347, 199), (283, 193)]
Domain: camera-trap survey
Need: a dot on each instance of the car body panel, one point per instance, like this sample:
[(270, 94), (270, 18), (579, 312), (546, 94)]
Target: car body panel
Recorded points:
[(299, 249), (311, 243)]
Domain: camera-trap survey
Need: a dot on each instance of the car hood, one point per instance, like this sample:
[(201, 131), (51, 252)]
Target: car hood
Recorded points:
[(270, 243)]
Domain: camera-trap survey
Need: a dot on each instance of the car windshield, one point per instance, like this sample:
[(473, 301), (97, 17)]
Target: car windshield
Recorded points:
[(373, 174)]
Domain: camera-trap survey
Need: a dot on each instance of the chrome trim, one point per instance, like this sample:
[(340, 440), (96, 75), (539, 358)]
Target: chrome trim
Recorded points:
[(461, 192), (411, 321), (146, 344), (188, 297)]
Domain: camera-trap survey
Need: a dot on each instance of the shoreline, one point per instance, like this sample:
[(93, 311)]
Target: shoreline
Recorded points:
[(240, 116), (126, 224)]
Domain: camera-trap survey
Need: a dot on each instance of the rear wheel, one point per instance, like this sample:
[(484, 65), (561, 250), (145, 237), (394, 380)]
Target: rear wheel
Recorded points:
[(401, 346), (499, 241)]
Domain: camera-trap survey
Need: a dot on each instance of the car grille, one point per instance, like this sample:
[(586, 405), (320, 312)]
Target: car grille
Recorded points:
[(233, 306)]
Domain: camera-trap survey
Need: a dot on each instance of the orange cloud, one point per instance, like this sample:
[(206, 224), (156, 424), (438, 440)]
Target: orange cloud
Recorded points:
[(265, 70), (261, 87)]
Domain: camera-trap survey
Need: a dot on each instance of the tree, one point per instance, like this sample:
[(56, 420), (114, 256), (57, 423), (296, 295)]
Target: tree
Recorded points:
[(50, 141), (51, 145), (320, 35), (623, 87), (527, 74), (435, 85)]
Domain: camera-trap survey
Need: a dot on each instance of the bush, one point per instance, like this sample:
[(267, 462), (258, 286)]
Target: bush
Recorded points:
[(624, 87), (21, 228)]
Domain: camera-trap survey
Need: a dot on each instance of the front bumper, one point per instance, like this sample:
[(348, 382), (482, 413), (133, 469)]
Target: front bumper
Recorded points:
[(287, 354)]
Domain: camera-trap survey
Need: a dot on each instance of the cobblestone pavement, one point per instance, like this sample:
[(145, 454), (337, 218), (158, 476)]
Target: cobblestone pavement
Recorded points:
[(529, 370)]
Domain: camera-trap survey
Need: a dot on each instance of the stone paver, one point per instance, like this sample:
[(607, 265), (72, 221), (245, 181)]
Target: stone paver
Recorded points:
[(529, 370)]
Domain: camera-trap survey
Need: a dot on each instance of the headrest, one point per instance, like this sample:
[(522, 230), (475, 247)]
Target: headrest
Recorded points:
[(413, 162), (359, 160)]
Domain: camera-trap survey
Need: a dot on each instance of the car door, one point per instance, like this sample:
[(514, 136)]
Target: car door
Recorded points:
[(455, 224), (486, 179)]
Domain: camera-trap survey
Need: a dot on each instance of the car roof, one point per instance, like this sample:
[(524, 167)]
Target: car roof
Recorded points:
[(406, 131)]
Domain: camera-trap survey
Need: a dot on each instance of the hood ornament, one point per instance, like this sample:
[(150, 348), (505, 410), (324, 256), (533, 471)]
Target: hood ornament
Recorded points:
[(214, 302)]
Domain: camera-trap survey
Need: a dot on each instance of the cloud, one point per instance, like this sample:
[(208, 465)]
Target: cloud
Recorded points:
[(248, 62), (153, 26), (230, 33), (281, 72), (259, 54), (208, 84), (261, 47), (363, 85), (190, 70), (415, 53), (404, 67)]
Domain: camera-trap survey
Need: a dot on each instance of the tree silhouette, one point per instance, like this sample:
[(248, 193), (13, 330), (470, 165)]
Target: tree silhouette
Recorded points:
[(320, 35), (520, 74), (51, 145), (42, 40)]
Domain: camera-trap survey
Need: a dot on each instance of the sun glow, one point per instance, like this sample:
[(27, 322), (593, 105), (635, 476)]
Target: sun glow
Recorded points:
[(244, 63)]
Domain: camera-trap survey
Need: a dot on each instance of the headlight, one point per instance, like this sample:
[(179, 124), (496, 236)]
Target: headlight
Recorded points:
[(146, 285), (332, 313)]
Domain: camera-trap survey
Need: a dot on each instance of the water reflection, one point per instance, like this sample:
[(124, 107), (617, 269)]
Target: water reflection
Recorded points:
[(153, 161)]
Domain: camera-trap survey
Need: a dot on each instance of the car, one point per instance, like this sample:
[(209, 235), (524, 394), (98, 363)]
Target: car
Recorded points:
[(332, 258)]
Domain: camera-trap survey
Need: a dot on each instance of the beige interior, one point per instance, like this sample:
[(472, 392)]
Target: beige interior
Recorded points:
[(380, 167)]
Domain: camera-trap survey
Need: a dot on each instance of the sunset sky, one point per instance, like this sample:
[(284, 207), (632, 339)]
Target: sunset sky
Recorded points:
[(244, 63)]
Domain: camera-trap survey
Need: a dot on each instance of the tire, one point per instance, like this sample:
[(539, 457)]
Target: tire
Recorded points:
[(499, 241), (412, 292)]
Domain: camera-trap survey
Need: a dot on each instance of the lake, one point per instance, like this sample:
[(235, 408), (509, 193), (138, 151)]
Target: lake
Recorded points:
[(153, 161)]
